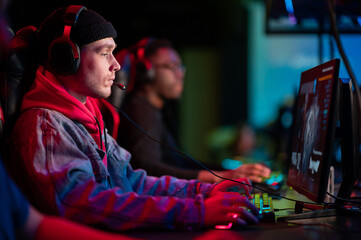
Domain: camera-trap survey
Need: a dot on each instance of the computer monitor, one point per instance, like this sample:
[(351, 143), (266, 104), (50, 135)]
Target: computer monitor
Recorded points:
[(326, 111), (314, 131)]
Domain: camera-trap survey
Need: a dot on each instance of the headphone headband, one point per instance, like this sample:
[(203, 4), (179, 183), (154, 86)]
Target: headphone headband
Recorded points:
[(72, 13), (64, 55)]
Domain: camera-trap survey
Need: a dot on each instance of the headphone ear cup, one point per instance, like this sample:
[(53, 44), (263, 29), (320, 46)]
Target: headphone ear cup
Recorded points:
[(64, 56), (145, 71)]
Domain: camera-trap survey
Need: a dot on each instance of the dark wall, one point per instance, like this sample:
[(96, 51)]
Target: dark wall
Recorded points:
[(234, 47), (182, 21)]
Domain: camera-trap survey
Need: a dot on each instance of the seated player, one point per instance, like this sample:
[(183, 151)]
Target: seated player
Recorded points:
[(156, 79), (67, 164)]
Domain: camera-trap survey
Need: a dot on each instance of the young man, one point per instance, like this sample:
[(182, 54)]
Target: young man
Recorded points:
[(68, 165), (157, 77), (19, 220)]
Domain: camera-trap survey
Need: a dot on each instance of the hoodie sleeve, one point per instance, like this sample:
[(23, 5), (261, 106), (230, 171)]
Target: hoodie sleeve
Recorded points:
[(57, 169)]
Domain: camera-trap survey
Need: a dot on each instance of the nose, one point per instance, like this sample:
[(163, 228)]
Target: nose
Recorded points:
[(115, 65), (180, 73)]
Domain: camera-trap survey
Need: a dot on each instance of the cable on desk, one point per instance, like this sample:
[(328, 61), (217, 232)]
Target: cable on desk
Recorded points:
[(343, 199), (282, 209)]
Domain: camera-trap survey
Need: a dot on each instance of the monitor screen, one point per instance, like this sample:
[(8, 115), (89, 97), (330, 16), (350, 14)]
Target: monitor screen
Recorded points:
[(314, 131)]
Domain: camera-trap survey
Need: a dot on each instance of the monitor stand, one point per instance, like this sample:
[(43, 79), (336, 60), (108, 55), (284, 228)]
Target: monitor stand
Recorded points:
[(338, 208), (337, 211), (307, 215)]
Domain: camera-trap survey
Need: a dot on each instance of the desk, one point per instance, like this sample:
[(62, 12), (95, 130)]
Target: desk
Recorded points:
[(330, 228), (265, 231)]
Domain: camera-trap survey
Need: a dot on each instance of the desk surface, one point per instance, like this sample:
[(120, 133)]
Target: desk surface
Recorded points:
[(330, 228), (346, 228)]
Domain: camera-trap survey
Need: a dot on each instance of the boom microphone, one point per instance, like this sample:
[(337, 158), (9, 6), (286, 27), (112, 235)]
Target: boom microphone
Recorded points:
[(119, 85)]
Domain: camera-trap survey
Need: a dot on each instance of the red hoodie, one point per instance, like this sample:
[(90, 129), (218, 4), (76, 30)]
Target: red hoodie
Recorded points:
[(47, 92)]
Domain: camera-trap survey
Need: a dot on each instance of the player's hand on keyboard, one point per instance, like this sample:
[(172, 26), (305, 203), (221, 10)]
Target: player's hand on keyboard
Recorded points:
[(243, 186), (223, 208), (254, 171)]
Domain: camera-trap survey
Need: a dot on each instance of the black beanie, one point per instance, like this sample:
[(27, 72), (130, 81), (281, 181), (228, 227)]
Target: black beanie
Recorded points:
[(89, 27)]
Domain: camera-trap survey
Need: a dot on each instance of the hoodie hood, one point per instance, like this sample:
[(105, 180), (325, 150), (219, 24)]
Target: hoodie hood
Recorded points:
[(47, 92)]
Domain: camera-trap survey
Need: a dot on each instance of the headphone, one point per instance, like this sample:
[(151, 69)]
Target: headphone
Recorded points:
[(144, 71), (136, 67), (63, 54)]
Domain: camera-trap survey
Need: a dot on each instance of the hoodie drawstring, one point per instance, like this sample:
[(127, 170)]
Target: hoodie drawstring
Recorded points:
[(101, 140)]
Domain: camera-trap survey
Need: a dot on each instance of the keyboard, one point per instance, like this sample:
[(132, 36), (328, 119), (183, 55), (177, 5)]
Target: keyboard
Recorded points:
[(264, 204)]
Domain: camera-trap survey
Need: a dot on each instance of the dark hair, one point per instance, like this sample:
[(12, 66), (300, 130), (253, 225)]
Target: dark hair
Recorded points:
[(156, 44)]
